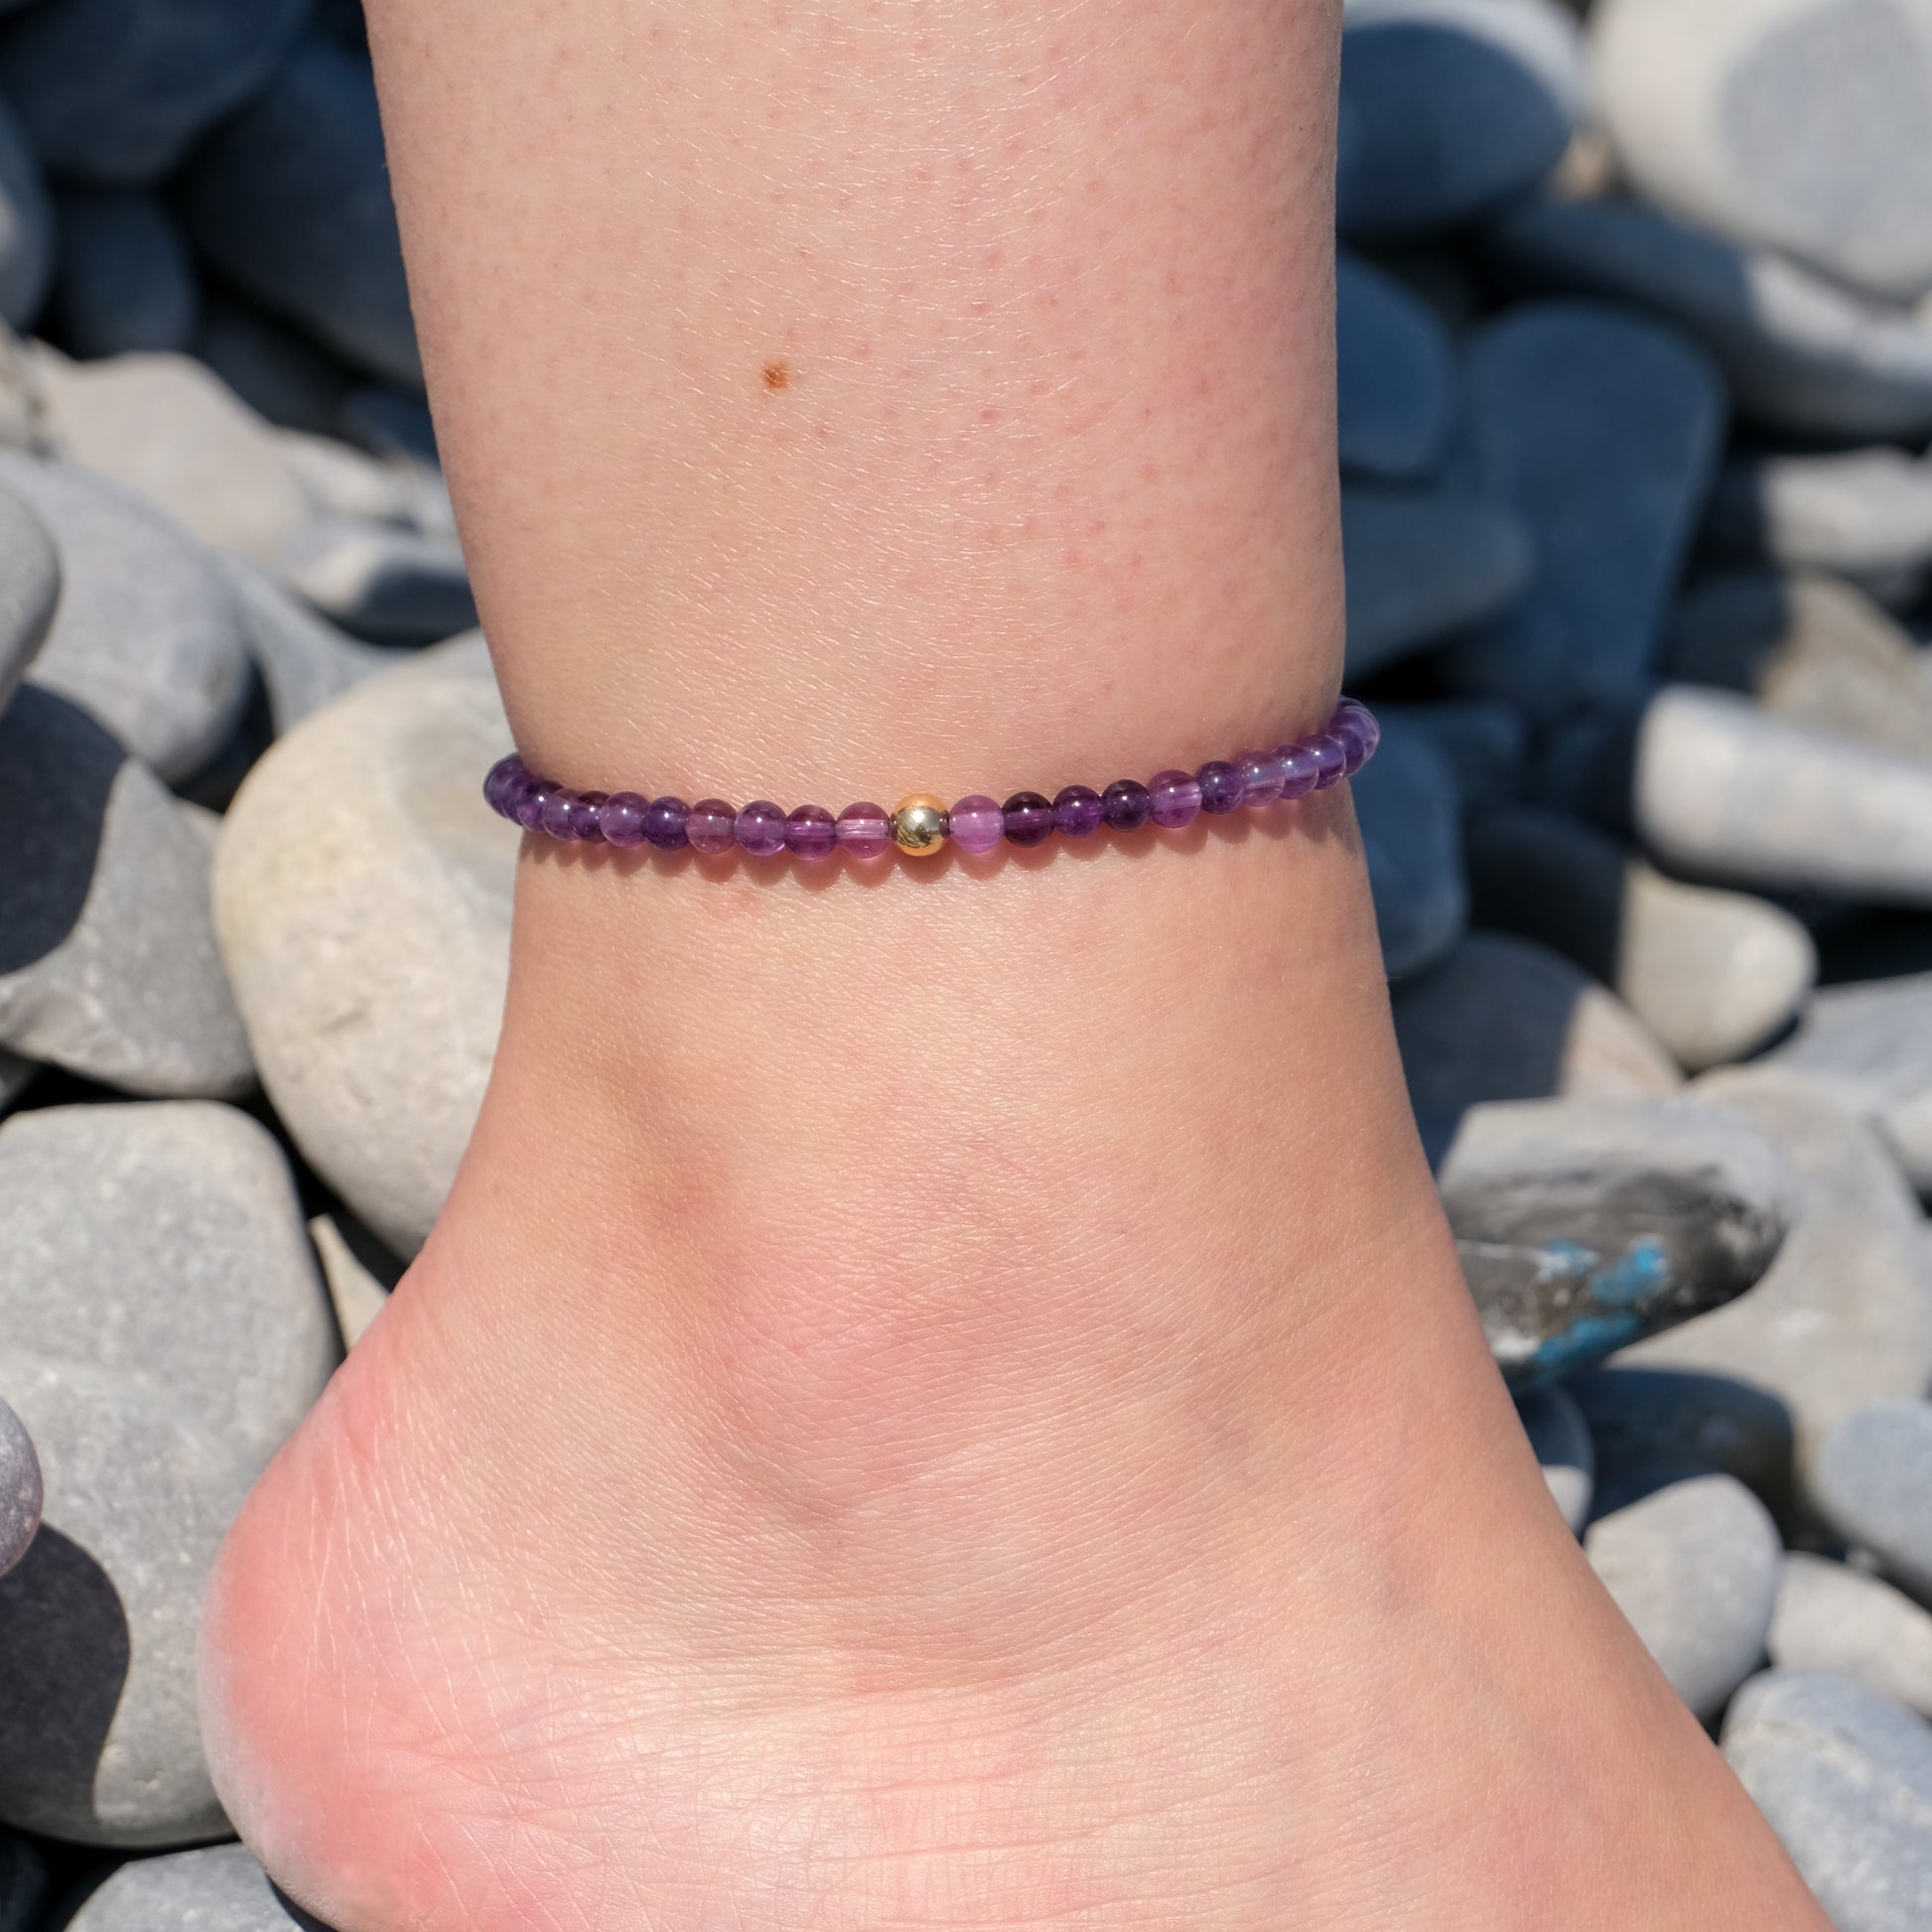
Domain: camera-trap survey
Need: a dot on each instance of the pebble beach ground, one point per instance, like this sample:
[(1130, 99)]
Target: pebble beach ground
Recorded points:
[(1635, 338)]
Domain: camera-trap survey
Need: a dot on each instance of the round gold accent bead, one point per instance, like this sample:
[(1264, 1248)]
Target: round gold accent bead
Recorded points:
[(920, 826)]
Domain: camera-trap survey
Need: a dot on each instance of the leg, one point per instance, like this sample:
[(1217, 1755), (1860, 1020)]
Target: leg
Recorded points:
[(949, 1403)]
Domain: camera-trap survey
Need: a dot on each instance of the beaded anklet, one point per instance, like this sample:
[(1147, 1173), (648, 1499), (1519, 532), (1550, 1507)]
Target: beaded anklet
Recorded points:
[(921, 825)]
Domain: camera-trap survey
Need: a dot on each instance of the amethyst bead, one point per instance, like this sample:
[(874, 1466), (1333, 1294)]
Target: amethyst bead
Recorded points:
[(561, 813), (1125, 805), (978, 824), (500, 786), (621, 818), (1262, 777), (583, 815), (1331, 760), (1222, 786), (1353, 741), (1077, 812), (866, 830), (532, 802), (1029, 820), (667, 823), (761, 828), (1356, 721), (1299, 770), (711, 826), (811, 832), (1177, 799)]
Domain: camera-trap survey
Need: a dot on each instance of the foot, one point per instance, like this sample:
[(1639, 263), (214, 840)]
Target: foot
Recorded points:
[(948, 1406)]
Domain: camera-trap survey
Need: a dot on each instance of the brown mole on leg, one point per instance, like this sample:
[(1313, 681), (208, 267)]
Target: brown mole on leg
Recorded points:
[(777, 375)]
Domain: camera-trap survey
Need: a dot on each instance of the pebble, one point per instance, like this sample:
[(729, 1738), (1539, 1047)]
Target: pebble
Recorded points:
[(356, 1293), (1844, 1316), (1483, 741), (20, 1503), (1408, 812), (1504, 1019), (277, 372), (1449, 106), (1872, 1483), (1559, 1440), (1695, 1569), (178, 1242), (116, 92), (1796, 125), (1584, 1224), (29, 588), (290, 200), (304, 661), (1725, 790), (380, 581), (1421, 568), (1831, 1617), (26, 227), (145, 635), (108, 964), (1844, 1777), (1396, 376), (16, 1074), (1808, 647), (1862, 513), (363, 894), (1712, 974), (23, 1885), (219, 1889), (125, 282), (99, 1738), (1799, 354), (1600, 430)]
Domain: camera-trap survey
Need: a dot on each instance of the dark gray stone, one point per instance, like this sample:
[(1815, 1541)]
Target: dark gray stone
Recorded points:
[(304, 661), (178, 1242), (1421, 568), (1449, 106), (290, 199), (20, 1503), (1866, 515), (99, 1737), (1602, 432), (116, 92), (1396, 376), (277, 372), (23, 1885), (1695, 1569), (108, 964), (29, 588), (1406, 807), (1560, 1442), (1844, 1777), (125, 281), (382, 581), (1483, 741), (1873, 1483), (27, 229), (219, 1889), (1831, 1617), (1584, 1225)]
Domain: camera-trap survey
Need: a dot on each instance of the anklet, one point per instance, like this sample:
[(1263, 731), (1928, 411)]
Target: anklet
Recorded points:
[(921, 825)]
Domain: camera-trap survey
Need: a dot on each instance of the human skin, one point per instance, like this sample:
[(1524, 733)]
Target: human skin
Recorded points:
[(941, 1396)]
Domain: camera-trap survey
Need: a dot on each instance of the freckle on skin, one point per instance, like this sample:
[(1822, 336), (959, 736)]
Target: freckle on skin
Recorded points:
[(777, 375)]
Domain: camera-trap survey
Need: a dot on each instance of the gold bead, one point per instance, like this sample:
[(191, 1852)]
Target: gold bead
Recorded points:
[(919, 825)]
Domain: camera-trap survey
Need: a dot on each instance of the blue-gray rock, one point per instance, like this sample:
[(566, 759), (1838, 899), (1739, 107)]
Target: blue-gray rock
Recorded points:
[(1449, 106), (290, 199), (1483, 741), (304, 661), (1831, 1617), (177, 1239), (99, 1737), (1844, 1316), (27, 230), (1600, 431), (125, 280), (1584, 1225), (116, 92), (1653, 1427), (1396, 376), (1873, 1483), (219, 1889), (1560, 1441), (276, 371), (381, 581), (16, 1076), (1503, 1019), (145, 636), (1798, 352), (1423, 567), (1795, 124), (29, 588), (21, 1496), (1864, 513), (1695, 1569), (1844, 1777), (1408, 809), (24, 1887), (108, 964)]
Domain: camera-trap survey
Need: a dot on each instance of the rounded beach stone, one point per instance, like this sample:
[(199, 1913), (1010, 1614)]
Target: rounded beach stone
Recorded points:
[(21, 1496), (362, 898), (1695, 1569), (1561, 1441), (1410, 818), (1395, 374), (381, 580), (28, 244), (302, 659), (1831, 1617), (219, 1889), (978, 824), (1873, 1483), (1866, 515), (100, 1736), (24, 1884), (126, 281), (30, 587)]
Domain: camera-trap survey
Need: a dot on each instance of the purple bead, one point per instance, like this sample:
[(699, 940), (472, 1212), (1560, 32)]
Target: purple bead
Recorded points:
[(1029, 820), (1331, 760), (562, 814), (1299, 770), (978, 824), (761, 828), (583, 815), (1354, 720), (667, 823), (1125, 805), (1222, 786), (1077, 812), (1262, 777), (622, 818), (710, 825), (1353, 741), (866, 830), (500, 786), (1177, 799), (532, 802), (811, 832)]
